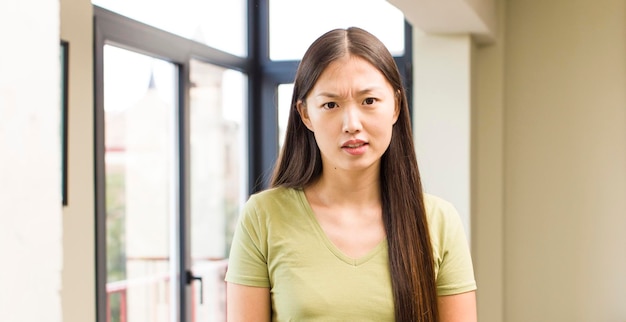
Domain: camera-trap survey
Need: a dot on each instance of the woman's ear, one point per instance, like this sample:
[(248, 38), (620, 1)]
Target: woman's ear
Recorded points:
[(304, 114), (396, 111)]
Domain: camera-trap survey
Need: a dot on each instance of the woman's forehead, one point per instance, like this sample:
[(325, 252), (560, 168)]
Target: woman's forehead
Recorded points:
[(353, 74)]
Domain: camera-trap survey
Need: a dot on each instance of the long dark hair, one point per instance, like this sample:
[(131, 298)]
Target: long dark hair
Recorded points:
[(299, 164)]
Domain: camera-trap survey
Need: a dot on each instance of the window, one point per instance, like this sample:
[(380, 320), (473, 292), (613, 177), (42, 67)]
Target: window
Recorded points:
[(284, 105), (218, 177), (294, 25), (201, 21), (171, 171), (140, 111)]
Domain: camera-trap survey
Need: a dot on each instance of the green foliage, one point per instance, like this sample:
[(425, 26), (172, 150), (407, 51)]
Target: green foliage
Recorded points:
[(115, 235)]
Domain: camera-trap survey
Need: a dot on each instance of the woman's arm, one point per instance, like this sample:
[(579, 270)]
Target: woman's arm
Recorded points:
[(458, 308), (247, 303)]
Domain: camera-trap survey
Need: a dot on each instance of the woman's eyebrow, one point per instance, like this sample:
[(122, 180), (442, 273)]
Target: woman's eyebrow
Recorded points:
[(368, 90), (328, 94), (361, 92)]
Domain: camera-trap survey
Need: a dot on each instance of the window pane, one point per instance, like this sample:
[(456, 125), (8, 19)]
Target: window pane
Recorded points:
[(219, 24), (141, 190), (284, 105), (294, 25), (218, 176)]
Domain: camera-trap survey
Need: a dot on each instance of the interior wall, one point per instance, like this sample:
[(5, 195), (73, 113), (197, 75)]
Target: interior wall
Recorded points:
[(78, 291), (441, 116), (487, 188), (486, 10), (30, 162), (565, 161)]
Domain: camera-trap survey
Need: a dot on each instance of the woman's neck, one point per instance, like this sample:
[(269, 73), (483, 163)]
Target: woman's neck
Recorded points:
[(338, 189)]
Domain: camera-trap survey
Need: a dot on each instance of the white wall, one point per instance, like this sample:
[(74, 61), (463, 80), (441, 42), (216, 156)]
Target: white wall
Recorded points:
[(30, 167), (441, 116)]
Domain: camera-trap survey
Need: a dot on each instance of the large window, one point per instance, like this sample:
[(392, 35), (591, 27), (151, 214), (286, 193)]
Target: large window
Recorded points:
[(171, 171)]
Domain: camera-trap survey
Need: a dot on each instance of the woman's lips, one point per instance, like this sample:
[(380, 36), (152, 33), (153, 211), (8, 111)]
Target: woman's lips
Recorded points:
[(355, 147)]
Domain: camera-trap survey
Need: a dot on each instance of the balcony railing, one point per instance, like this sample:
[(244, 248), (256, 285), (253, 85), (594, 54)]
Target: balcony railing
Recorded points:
[(152, 292)]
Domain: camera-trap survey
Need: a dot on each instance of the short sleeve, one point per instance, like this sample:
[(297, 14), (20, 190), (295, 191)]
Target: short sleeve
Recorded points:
[(453, 262), (247, 263)]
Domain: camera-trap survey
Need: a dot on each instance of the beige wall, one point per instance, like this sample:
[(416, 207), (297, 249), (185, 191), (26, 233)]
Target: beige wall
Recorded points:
[(487, 186), (78, 280), (563, 162)]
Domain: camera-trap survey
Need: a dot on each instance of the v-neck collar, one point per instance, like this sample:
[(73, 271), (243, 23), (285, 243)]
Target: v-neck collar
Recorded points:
[(382, 245)]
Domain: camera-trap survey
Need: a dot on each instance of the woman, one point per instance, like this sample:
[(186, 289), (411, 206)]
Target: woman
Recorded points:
[(346, 233)]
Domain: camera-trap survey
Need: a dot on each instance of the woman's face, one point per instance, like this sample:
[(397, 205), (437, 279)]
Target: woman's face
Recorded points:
[(351, 111)]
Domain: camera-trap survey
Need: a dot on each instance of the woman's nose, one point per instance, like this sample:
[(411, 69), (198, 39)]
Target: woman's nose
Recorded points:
[(351, 119)]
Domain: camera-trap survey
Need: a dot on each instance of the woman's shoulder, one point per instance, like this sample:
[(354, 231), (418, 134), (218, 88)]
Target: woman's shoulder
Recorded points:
[(274, 200), (440, 213), (437, 205), (453, 263), (275, 195)]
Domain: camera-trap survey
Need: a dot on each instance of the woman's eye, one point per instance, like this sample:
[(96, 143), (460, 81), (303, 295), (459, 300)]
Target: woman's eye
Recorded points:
[(330, 105), (369, 101)]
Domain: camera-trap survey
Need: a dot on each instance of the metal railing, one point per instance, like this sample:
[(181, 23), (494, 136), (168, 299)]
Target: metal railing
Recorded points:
[(211, 270)]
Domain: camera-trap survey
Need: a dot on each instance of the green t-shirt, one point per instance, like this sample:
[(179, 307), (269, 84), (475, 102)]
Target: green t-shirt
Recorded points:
[(279, 244)]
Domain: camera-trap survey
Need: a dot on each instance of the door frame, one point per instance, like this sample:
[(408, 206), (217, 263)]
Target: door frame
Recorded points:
[(114, 29)]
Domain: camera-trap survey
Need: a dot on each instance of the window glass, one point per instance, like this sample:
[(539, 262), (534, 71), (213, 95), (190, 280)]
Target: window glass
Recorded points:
[(141, 187), (284, 105), (218, 176), (218, 24), (294, 25)]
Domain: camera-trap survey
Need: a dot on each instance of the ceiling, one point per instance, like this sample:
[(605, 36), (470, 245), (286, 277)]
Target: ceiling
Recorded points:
[(476, 17)]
